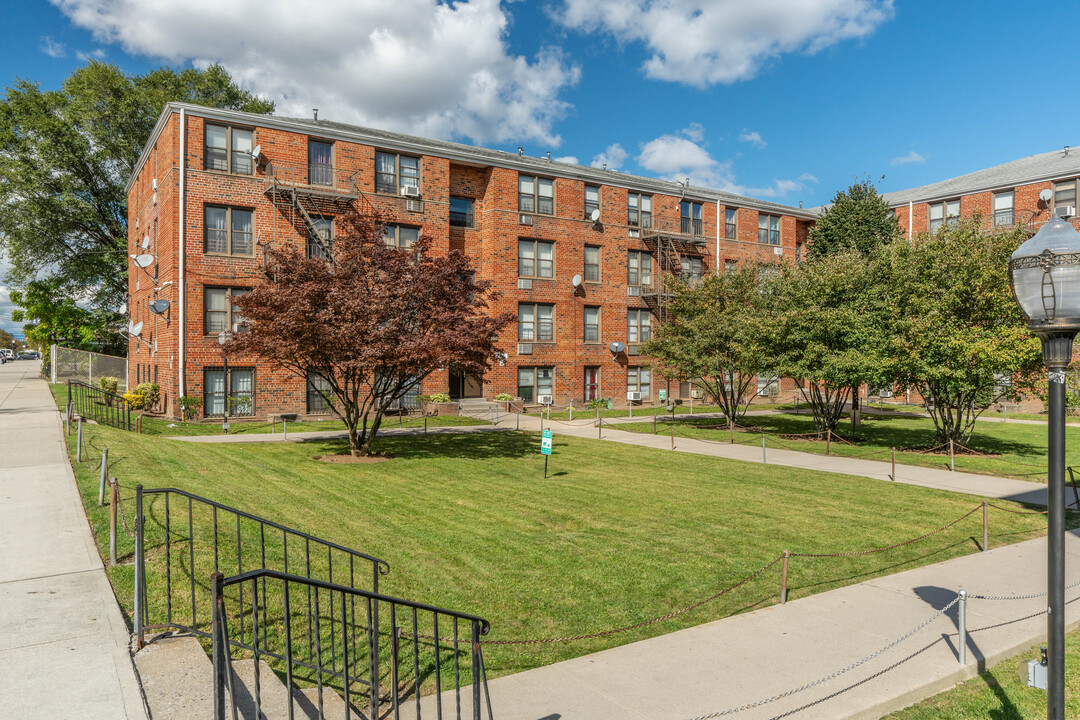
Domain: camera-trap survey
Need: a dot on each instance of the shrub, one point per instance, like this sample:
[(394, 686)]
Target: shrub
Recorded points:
[(109, 384), (150, 392), (135, 399), (504, 397), (597, 404), (440, 398), (189, 406)]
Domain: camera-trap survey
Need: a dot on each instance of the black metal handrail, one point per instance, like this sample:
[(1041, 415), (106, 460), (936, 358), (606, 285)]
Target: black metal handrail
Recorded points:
[(352, 668), (259, 542), (99, 405)]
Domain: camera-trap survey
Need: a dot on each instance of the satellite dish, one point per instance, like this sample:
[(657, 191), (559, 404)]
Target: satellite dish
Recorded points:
[(146, 242), (576, 281), (135, 329), (123, 308), (595, 215), (616, 347), (160, 306), (1046, 195), (143, 261), (256, 152)]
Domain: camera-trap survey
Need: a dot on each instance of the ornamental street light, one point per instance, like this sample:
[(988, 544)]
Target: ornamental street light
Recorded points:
[(223, 337), (1044, 274)]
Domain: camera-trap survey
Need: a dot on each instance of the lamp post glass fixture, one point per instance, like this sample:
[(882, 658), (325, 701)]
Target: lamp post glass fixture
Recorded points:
[(1044, 274), (223, 337)]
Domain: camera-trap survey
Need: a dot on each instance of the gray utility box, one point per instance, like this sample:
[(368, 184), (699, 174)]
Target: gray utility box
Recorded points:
[(1036, 674)]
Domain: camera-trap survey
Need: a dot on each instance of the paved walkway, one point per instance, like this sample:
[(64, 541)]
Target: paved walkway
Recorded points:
[(63, 639)]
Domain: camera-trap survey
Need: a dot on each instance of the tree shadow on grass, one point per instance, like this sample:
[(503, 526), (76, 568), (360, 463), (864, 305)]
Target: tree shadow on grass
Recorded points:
[(473, 446)]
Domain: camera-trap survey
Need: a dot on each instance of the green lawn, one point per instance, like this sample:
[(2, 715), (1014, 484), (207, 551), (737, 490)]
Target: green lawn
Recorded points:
[(1002, 693), (1009, 450)]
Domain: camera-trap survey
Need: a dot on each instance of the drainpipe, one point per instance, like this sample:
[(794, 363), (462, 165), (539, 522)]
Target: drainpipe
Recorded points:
[(716, 260), (910, 220), (182, 280)]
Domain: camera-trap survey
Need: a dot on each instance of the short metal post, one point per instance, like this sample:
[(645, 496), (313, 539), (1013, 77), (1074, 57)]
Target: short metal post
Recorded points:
[(783, 578), (517, 421), (78, 443), (218, 643), (67, 420), (894, 464), (763, 448), (828, 440), (963, 627), (285, 428), (631, 404), (599, 426), (654, 424), (672, 436), (731, 432), (425, 424), (571, 411), (1006, 406), (140, 567), (104, 476), (138, 423), (986, 526), (541, 419), (114, 500), (952, 460)]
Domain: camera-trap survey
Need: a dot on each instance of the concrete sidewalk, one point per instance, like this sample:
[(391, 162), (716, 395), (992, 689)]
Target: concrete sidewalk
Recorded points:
[(63, 639), (763, 654)]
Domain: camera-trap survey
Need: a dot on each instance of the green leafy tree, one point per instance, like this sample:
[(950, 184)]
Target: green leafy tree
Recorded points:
[(821, 328), (710, 336), (65, 156), (54, 319), (953, 327), (858, 219)]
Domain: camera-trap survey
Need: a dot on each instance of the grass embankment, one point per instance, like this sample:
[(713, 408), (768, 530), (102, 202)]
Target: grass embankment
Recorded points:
[(1001, 693), (1004, 449), (615, 535)]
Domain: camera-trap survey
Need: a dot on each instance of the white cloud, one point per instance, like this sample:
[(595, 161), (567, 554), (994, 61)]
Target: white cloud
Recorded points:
[(909, 159), (52, 48), (612, 158), (420, 66), (569, 159), (694, 131), (97, 54), (704, 42), (754, 138)]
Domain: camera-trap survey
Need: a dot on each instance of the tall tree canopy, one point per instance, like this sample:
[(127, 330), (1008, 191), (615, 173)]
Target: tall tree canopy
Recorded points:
[(65, 156), (372, 324), (859, 219)]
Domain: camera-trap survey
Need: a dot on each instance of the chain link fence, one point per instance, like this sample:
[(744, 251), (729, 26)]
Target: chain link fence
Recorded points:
[(89, 367)]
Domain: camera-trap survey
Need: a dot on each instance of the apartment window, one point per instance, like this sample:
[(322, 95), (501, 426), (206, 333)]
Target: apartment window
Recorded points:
[(768, 229), (592, 263), (638, 268), (534, 382), (241, 395), (461, 212), (639, 210), (592, 200), (536, 195), (1064, 194), (220, 311), (228, 150), (731, 267), (536, 259), (638, 325), (400, 236), (767, 384), (592, 324), (729, 223), (536, 323), (942, 213), (319, 397), (320, 164), (639, 379), (798, 253), (393, 172), (690, 213), (692, 268), (1003, 208), (228, 231), (592, 383), (320, 242)]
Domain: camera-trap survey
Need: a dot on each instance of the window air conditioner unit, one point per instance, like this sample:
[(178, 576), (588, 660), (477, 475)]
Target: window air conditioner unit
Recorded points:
[(696, 394), (1065, 211), (545, 399), (633, 350), (524, 348), (633, 291), (525, 219), (410, 191), (885, 393), (778, 251), (415, 206), (633, 396), (635, 233), (524, 284)]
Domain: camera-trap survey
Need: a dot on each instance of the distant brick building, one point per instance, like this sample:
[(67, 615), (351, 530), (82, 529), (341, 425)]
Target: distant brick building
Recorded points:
[(213, 189)]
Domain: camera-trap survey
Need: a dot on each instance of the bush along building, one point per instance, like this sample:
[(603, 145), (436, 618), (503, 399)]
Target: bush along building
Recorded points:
[(578, 254)]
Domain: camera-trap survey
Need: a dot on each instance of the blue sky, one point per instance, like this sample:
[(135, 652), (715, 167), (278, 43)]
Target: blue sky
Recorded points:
[(787, 100)]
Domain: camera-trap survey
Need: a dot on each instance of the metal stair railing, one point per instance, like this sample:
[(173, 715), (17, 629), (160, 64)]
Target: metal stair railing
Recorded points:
[(99, 405), (189, 537), (350, 658)]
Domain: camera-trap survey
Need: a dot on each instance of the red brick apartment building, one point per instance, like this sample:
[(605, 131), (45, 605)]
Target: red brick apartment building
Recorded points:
[(213, 189)]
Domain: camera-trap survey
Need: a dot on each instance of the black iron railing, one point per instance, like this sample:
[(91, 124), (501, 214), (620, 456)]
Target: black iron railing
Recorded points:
[(99, 405), (181, 539), (378, 652)]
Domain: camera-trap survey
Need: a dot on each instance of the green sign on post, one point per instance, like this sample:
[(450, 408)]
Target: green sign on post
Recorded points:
[(545, 448), (663, 395)]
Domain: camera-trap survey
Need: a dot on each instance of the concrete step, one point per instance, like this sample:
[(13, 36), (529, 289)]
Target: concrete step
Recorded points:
[(177, 678), (307, 705)]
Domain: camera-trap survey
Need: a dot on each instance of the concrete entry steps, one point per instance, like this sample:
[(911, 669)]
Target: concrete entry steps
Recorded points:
[(178, 681)]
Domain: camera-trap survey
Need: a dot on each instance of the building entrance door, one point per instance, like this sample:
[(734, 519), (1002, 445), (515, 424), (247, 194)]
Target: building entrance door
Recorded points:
[(592, 383), (463, 385)]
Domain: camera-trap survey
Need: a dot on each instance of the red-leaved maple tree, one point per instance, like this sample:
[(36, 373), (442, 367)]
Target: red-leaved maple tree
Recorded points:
[(373, 322)]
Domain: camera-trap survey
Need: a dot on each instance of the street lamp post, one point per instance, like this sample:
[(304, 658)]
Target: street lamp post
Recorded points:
[(223, 337), (1044, 274)]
